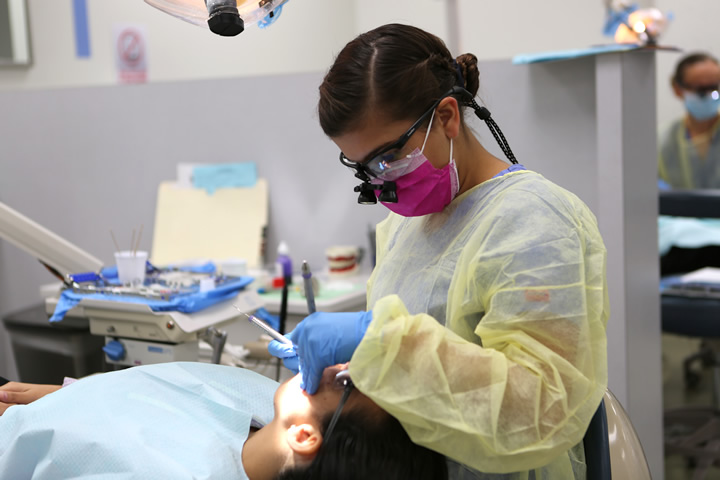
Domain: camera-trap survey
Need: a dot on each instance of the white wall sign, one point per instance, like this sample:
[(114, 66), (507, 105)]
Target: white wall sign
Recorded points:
[(131, 53)]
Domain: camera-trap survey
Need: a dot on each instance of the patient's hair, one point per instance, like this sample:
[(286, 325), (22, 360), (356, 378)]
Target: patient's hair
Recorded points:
[(360, 448)]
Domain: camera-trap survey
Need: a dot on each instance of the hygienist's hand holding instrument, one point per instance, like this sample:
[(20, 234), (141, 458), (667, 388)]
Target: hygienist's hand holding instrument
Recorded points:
[(287, 353), (323, 338)]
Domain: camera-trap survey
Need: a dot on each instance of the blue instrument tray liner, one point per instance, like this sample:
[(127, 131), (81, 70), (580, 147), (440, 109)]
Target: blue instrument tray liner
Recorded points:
[(573, 53), (184, 303)]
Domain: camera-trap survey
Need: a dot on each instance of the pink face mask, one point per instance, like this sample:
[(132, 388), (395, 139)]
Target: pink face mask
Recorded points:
[(423, 189)]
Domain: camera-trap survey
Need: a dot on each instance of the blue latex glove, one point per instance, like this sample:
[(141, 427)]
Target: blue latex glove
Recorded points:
[(270, 19), (321, 340), (286, 352), (664, 186)]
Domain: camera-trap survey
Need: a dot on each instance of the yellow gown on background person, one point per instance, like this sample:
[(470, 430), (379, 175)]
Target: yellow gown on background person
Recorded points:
[(690, 163)]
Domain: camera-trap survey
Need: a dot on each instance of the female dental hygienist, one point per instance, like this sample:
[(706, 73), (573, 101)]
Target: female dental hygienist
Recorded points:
[(486, 334)]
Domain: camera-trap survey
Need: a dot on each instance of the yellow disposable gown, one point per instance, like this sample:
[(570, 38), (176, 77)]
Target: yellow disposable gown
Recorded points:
[(690, 163), (515, 269)]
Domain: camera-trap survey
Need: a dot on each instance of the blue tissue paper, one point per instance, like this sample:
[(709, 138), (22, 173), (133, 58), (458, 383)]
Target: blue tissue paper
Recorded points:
[(225, 175)]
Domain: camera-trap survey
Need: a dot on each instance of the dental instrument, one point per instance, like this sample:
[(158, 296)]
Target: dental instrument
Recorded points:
[(267, 328), (309, 293)]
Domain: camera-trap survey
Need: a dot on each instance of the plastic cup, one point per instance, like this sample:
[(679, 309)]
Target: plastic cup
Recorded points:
[(234, 267), (131, 266)]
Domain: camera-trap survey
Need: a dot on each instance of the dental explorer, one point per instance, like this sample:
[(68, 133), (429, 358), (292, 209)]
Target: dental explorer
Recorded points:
[(267, 328)]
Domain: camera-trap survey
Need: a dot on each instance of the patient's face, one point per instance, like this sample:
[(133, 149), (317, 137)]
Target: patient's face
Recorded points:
[(294, 405)]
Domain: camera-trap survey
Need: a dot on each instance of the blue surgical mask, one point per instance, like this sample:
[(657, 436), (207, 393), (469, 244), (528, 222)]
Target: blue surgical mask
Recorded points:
[(702, 107)]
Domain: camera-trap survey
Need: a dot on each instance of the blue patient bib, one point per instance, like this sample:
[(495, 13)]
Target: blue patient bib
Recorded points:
[(166, 421)]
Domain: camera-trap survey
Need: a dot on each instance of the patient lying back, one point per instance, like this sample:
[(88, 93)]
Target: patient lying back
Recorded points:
[(195, 420)]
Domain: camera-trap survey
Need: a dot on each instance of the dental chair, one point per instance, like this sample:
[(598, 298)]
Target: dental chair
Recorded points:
[(692, 431), (612, 448)]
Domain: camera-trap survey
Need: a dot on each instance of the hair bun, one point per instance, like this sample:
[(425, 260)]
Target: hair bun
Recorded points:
[(470, 72)]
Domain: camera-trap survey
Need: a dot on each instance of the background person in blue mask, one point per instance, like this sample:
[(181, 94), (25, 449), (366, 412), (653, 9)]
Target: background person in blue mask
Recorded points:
[(487, 308), (689, 158), (690, 151)]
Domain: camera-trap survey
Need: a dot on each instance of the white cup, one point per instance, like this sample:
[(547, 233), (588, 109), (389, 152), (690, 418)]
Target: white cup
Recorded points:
[(131, 266), (207, 284)]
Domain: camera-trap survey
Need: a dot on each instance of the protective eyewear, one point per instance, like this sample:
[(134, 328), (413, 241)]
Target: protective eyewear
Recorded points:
[(381, 168), (704, 90), (380, 162), (342, 381)]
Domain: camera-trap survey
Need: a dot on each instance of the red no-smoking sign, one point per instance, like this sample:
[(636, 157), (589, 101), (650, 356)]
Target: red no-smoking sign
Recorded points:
[(130, 54)]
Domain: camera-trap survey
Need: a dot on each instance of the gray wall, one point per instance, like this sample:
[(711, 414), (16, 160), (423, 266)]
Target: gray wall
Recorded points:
[(70, 158), (82, 161), (548, 120)]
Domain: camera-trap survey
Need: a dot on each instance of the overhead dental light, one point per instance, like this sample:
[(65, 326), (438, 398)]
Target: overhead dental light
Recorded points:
[(223, 17), (627, 23)]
